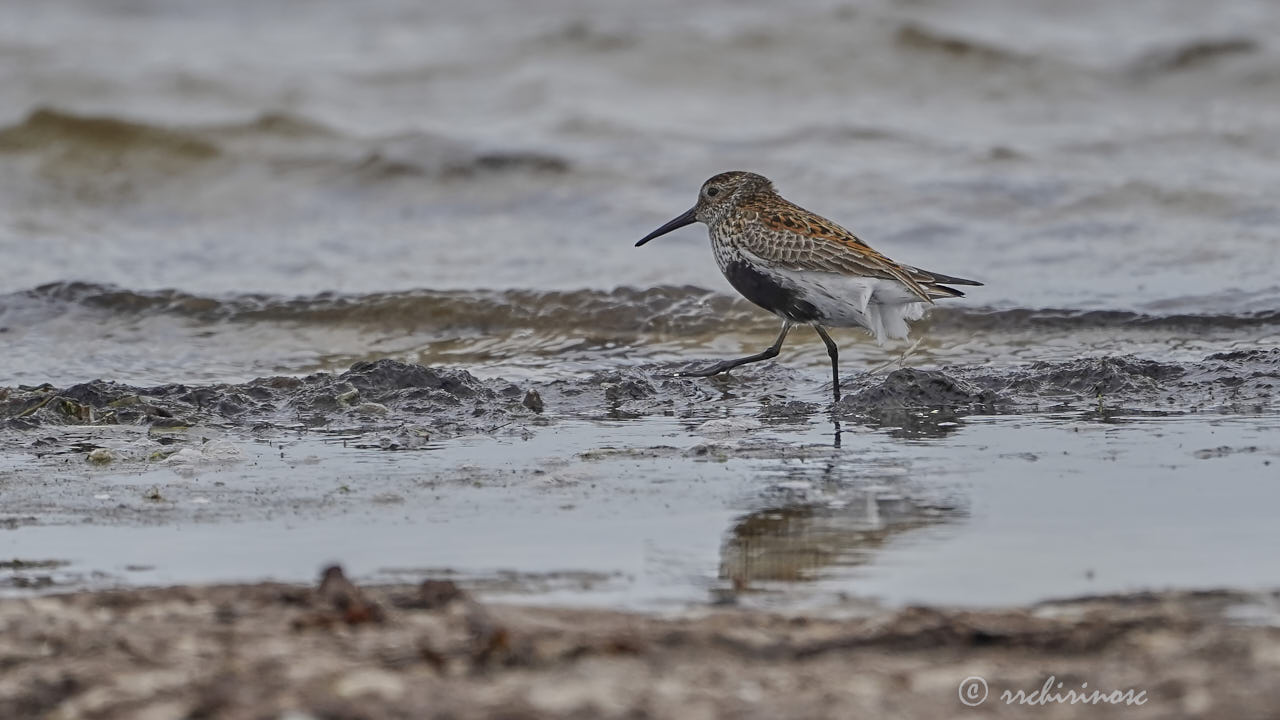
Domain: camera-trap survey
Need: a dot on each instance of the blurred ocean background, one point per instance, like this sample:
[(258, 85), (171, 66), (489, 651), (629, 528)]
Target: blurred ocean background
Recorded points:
[(195, 191)]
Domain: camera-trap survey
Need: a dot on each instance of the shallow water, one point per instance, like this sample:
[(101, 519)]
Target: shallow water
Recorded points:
[(438, 185), (627, 513)]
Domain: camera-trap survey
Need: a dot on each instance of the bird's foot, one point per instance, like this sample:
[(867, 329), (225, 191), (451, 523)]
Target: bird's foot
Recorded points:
[(704, 372)]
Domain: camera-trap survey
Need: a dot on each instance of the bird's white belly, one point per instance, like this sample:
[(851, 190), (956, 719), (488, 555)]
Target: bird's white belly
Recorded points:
[(883, 307)]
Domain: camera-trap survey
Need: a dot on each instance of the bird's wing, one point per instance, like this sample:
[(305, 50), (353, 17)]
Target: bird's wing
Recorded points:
[(801, 240)]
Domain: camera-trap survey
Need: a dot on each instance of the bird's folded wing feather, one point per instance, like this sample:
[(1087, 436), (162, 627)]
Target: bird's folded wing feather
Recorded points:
[(802, 241)]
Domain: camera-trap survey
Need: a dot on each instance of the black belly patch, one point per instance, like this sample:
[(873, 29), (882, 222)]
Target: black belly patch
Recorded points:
[(763, 290)]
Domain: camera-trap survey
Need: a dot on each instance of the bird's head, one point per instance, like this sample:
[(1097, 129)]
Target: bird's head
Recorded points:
[(717, 198)]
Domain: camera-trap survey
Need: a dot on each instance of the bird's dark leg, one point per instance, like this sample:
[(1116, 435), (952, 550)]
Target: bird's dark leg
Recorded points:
[(726, 365), (834, 353)]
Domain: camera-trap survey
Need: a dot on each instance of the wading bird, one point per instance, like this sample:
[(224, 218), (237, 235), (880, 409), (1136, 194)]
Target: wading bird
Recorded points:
[(804, 268)]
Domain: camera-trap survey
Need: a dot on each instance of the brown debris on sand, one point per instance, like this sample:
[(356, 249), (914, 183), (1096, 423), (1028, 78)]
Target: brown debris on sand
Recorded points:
[(339, 601)]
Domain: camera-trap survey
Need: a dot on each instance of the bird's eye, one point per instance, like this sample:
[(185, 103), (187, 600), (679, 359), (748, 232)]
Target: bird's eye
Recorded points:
[(713, 191)]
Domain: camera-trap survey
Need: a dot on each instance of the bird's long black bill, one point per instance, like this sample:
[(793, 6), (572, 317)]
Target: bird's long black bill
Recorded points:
[(675, 224)]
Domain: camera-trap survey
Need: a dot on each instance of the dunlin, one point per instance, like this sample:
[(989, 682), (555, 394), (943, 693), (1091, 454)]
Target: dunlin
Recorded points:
[(805, 268)]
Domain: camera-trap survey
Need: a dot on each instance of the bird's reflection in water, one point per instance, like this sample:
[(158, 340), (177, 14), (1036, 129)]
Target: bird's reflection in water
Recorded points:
[(798, 543), (906, 423)]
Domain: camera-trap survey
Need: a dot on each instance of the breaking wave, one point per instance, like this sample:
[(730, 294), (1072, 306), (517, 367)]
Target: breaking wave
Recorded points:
[(74, 144), (671, 309)]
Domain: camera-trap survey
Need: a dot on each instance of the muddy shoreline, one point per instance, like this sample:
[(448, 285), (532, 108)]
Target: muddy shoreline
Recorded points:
[(87, 439), (449, 401), (336, 651), (754, 483)]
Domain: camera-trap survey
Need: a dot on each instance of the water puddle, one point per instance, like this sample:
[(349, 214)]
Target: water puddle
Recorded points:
[(665, 512)]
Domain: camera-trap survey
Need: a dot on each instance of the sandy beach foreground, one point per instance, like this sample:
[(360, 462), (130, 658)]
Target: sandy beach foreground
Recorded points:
[(432, 651)]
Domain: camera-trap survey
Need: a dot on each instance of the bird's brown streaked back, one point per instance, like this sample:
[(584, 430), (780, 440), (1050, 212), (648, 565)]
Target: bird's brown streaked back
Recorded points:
[(801, 240)]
